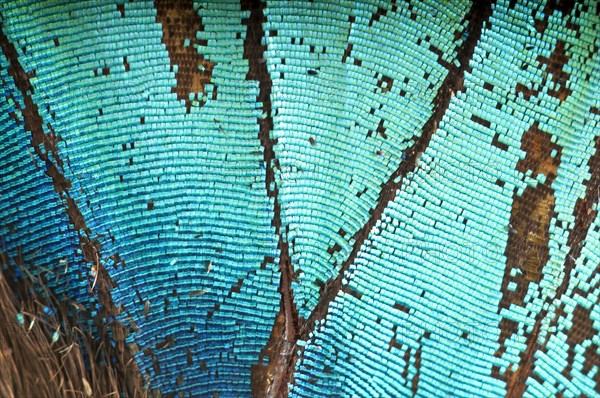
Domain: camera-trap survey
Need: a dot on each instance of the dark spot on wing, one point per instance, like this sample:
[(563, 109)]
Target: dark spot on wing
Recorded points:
[(180, 24)]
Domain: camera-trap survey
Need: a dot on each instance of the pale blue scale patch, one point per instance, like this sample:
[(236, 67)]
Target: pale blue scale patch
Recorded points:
[(439, 252), (326, 113)]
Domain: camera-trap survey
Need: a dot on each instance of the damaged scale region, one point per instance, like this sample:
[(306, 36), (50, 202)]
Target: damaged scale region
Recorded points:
[(180, 25)]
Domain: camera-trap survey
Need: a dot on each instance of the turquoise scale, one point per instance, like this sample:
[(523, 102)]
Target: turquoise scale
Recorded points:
[(204, 180), (182, 197), (448, 275)]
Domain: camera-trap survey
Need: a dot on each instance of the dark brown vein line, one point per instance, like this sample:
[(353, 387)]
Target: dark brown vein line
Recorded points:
[(585, 214), (453, 83), (282, 371), (128, 371), (266, 379)]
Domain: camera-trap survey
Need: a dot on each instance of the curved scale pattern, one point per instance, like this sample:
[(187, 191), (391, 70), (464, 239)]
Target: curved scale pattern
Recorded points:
[(323, 198)]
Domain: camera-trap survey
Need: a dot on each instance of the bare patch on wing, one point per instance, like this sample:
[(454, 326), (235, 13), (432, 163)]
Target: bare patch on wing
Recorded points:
[(527, 249), (180, 24)]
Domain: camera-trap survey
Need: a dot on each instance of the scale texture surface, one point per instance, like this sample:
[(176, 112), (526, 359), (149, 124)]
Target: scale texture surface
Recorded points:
[(314, 198)]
